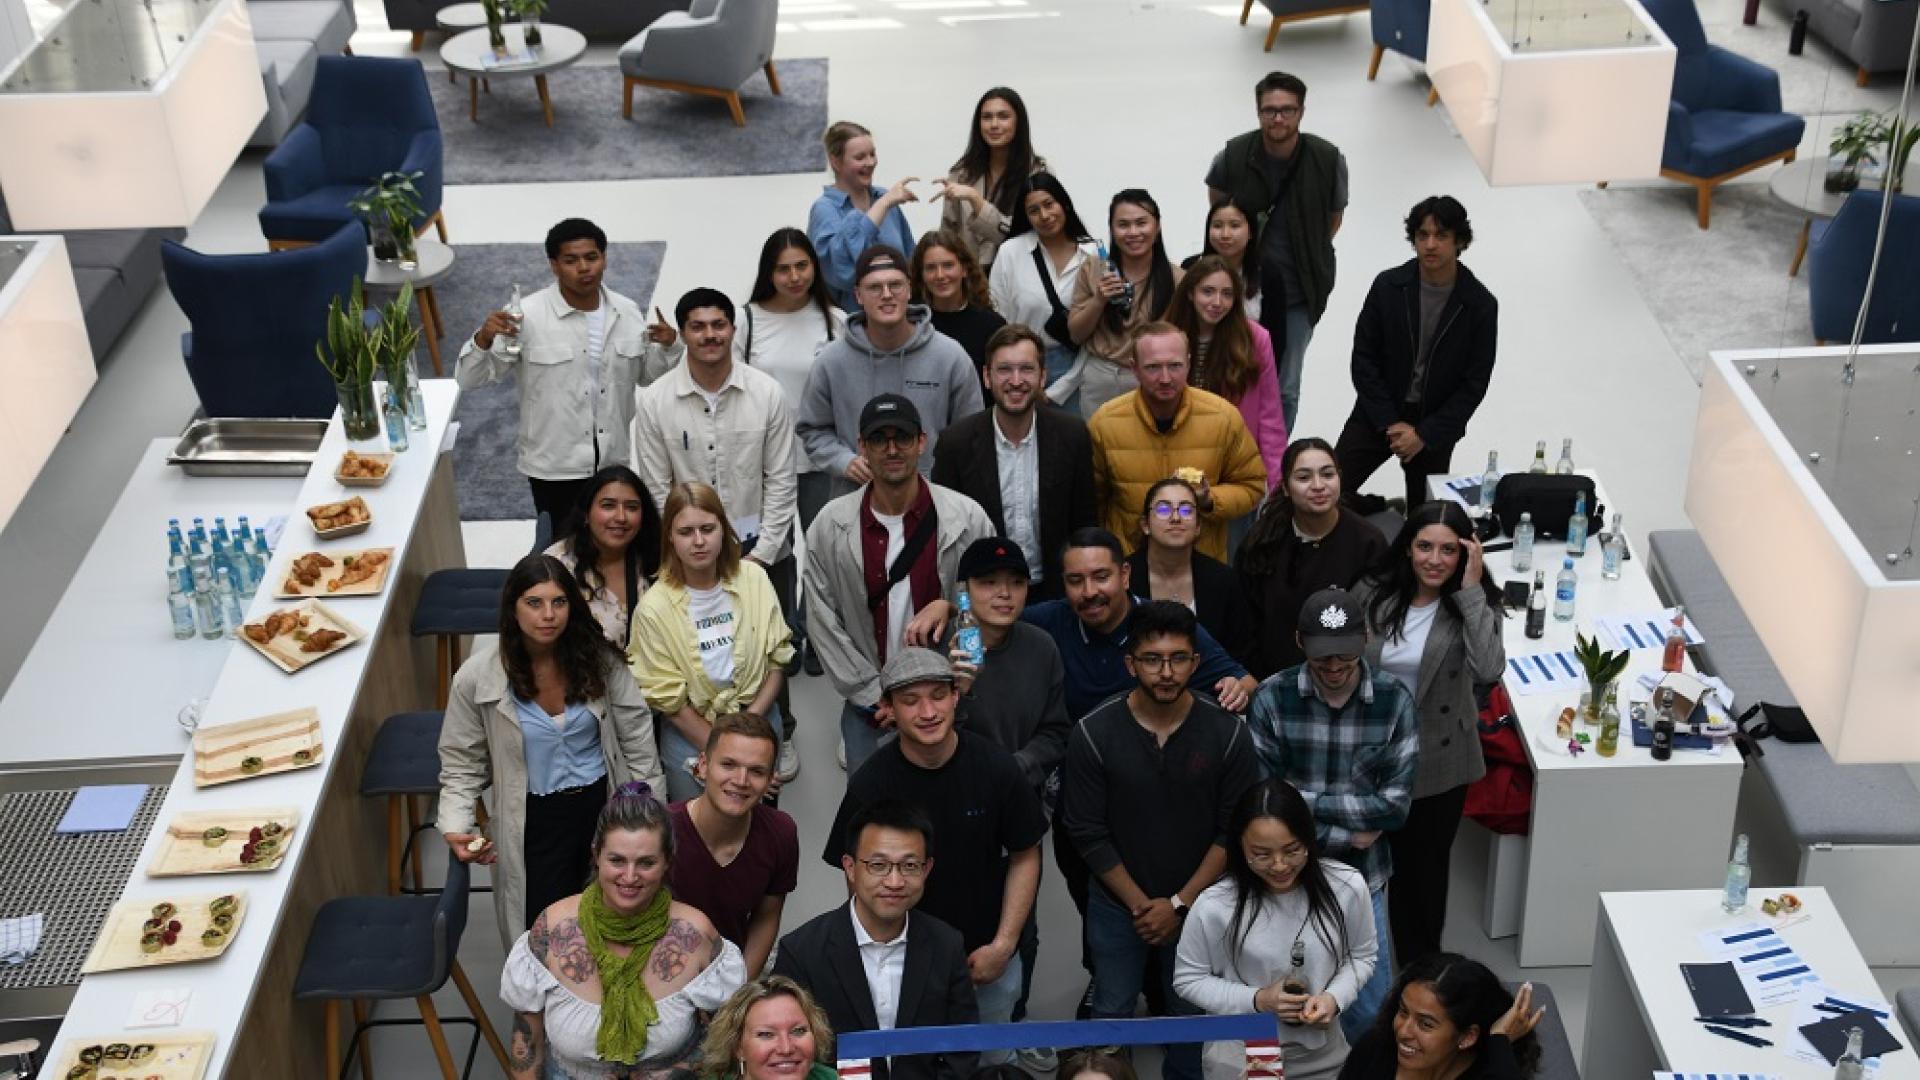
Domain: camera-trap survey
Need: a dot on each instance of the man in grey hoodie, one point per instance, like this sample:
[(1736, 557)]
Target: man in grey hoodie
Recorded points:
[(890, 347)]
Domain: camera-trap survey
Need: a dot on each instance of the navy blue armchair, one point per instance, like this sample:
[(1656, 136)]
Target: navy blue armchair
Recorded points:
[(367, 116), (255, 319), (1399, 25), (1725, 117), (1838, 255)]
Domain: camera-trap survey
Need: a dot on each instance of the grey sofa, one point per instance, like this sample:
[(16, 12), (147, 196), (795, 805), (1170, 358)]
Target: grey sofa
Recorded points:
[(710, 49), (1874, 34), (599, 20), (290, 36), (114, 271)]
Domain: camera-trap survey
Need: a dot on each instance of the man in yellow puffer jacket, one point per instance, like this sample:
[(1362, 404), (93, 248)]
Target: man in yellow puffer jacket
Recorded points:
[(1166, 428)]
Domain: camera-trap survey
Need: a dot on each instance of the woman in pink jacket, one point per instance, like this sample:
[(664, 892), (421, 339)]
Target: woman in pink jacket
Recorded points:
[(1232, 356)]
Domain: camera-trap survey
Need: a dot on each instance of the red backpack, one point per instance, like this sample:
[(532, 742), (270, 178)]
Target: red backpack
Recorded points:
[(1502, 799)]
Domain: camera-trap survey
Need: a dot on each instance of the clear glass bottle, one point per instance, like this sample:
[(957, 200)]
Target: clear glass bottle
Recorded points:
[(966, 631), (227, 589), (515, 312), (396, 426), (1613, 551), (1851, 1066), (1523, 543), (220, 530), (1124, 298), (206, 606), (199, 533), (416, 402), (1539, 457), (1564, 467), (1733, 897), (1489, 482), (1577, 526), (1564, 588), (1609, 743), (180, 603)]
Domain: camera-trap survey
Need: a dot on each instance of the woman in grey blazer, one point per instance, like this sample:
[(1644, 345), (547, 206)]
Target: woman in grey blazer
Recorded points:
[(1433, 618)]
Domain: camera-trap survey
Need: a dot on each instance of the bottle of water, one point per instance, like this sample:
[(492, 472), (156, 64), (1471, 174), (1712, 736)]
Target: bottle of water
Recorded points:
[(1613, 551), (261, 557), (243, 535), (199, 533), (180, 602), (396, 426), (218, 557), (220, 530), (1490, 480), (1539, 457), (206, 606), (228, 591), (515, 312), (416, 402), (1564, 466), (1564, 587), (1124, 298), (1577, 526), (1523, 543), (1850, 1066), (174, 536), (966, 632), (1734, 896), (177, 564)]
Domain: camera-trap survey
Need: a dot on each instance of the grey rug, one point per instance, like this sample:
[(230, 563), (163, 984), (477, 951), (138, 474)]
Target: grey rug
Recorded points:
[(670, 135), (1722, 288), (485, 463)]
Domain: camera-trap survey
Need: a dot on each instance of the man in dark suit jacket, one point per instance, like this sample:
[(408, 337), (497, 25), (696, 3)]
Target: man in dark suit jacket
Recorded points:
[(869, 964), (1043, 505)]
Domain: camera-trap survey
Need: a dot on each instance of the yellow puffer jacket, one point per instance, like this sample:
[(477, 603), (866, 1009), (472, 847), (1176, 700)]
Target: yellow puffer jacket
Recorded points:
[(1130, 455)]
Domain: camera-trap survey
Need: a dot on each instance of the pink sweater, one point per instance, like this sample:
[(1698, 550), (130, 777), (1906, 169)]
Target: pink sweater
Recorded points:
[(1260, 406)]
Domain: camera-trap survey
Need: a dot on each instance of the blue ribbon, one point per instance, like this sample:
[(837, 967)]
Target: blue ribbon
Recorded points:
[(1054, 1033)]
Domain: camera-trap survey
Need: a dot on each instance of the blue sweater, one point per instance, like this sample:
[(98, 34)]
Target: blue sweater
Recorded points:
[(840, 232), (1095, 662)]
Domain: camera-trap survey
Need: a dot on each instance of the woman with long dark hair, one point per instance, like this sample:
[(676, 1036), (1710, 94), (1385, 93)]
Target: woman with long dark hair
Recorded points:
[(978, 197), (1233, 233), (951, 283), (1231, 355), (614, 548), (1285, 932), (1165, 566), (550, 719), (1433, 616), (853, 213), (788, 315), (1036, 275), (1451, 1020), (1302, 541), (1120, 296)]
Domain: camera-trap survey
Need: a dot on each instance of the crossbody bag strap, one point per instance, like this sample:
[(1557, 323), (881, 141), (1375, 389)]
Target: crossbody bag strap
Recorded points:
[(903, 564)]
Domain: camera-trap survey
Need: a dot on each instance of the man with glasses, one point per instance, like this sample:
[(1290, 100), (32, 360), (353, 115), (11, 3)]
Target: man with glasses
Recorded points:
[(1297, 185), (1166, 428), (1348, 738), (1148, 797), (869, 963), (982, 808), (890, 347)]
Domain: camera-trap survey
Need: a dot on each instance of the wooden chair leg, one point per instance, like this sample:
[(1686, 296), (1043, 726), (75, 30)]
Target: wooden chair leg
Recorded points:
[(772, 79), (546, 103), (413, 824), (733, 106), (395, 841), (364, 1040), (1273, 32), (1433, 96), (1245, 10), (626, 97), (1602, 185), (480, 1015), (419, 39), (346, 50), (440, 226), (437, 1037), (333, 1038), (1703, 198), (1373, 65), (473, 100), (1800, 251), (1860, 77)]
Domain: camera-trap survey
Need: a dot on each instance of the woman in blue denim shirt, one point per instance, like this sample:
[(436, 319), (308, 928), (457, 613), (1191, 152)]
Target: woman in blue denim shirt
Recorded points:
[(851, 213)]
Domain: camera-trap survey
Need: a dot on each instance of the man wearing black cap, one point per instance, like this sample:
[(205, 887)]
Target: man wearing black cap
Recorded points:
[(890, 347), (1346, 735), (1017, 694), (881, 564)]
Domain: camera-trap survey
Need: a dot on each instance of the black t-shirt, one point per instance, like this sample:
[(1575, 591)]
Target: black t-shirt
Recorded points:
[(982, 809), (971, 326)]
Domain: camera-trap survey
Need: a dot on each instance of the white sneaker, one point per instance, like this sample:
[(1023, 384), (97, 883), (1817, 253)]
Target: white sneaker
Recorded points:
[(789, 764), (840, 754), (1038, 1059)]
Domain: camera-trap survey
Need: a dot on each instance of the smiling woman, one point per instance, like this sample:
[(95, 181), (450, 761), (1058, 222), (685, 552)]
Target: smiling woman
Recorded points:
[(770, 1029), (615, 548)]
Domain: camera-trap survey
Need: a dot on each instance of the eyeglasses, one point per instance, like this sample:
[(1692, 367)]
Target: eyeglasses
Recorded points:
[(909, 868), (1153, 662), (1290, 855), (884, 288), (1273, 112), (889, 437), (1335, 661), (1164, 509)]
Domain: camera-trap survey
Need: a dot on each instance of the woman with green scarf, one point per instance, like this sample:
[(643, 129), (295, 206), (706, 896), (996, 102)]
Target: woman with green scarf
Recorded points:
[(610, 983)]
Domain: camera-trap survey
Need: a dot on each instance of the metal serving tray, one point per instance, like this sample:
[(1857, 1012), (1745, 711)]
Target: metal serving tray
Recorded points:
[(243, 447)]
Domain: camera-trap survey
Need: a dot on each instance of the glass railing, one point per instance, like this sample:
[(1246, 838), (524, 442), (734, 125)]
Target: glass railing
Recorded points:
[(108, 45)]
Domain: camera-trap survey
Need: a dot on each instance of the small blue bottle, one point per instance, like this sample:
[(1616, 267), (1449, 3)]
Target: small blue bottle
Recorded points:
[(220, 529), (231, 608), (1577, 526), (243, 535), (180, 603), (199, 533)]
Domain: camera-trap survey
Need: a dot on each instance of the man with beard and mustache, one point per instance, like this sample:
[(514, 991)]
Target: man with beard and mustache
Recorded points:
[(1151, 782)]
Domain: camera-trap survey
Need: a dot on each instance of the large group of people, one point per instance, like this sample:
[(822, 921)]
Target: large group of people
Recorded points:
[(1244, 713)]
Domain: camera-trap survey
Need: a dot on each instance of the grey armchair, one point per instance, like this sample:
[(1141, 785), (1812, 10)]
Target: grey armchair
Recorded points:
[(708, 50)]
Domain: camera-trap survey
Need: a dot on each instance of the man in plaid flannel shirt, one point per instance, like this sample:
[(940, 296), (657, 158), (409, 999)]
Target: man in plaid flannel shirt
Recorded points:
[(1347, 737)]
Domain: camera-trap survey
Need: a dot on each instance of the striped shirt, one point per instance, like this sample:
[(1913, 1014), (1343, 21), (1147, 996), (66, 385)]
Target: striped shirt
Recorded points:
[(1354, 764)]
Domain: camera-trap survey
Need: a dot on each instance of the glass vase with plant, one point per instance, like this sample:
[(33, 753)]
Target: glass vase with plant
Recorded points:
[(1602, 668), (349, 355), (1853, 142), (496, 35), (529, 12), (395, 339), (390, 207)]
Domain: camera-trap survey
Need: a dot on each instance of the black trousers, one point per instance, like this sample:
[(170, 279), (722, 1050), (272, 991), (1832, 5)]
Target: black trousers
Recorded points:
[(1362, 450), (558, 843), (557, 499), (784, 576), (1422, 862)]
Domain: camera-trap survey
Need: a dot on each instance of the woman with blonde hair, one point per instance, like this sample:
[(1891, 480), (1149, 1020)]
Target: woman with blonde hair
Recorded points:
[(948, 279), (770, 1029), (852, 214), (709, 638)]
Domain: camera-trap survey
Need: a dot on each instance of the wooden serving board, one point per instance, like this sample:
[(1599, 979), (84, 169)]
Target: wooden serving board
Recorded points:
[(118, 947), (177, 1055), (184, 851), (218, 751), (328, 575), (284, 650)]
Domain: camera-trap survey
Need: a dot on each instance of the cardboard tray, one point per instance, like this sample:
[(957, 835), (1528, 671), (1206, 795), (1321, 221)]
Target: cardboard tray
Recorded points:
[(178, 1055), (284, 650), (118, 947), (183, 850), (365, 481), (344, 530), (218, 751), (369, 587)]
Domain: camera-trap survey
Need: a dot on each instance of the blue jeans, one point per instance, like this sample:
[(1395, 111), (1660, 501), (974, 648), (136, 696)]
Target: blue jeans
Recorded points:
[(1292, 360), (996, 1004), (861, 737), (1373, 996), (1120, 959), (1059, 360), (677, 757)]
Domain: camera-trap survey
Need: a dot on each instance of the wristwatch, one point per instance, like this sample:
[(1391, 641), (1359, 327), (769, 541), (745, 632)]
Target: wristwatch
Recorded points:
[(1179, 905)]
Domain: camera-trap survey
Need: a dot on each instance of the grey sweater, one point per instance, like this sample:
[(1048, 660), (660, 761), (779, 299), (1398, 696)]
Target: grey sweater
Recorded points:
[(1019, 701), (931, 370)]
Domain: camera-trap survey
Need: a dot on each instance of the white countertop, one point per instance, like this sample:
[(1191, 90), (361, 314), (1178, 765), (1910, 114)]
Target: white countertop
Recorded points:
[(249, 686), (113, 621)]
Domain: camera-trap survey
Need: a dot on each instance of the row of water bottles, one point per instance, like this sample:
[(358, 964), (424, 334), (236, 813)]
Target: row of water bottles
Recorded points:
[(212, 576)]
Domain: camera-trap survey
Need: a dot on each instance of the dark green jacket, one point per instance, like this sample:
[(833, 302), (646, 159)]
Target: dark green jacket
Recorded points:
[(1307, 200)]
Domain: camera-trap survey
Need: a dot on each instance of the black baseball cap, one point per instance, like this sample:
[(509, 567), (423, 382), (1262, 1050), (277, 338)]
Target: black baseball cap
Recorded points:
[(1332, 624), (889, 412), (991, 553), (876, 258)]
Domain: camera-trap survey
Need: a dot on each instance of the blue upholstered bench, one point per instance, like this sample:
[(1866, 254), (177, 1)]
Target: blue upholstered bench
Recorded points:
[(1556, 1053), (1852, 828)]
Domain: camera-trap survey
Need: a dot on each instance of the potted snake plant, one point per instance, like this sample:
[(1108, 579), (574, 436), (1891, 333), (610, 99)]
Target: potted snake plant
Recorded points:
[(348, 353)]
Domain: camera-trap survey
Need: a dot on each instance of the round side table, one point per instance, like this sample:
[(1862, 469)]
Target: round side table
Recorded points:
[(455, 18), (434, 262), (469, 54), (1802, 185)]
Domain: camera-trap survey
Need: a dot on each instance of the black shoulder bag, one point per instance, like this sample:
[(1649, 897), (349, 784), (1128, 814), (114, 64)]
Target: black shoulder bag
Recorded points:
[(1056, 324)]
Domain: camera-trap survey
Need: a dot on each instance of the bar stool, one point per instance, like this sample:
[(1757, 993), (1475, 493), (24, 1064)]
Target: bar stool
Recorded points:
[(385, 948), (404, 764), (461, 602)]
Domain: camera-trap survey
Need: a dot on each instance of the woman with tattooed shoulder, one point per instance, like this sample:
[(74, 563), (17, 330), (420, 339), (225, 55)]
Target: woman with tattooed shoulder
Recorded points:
[(610, 984)]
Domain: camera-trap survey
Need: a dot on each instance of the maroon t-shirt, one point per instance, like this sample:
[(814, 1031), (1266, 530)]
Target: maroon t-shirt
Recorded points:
[(768, 865)]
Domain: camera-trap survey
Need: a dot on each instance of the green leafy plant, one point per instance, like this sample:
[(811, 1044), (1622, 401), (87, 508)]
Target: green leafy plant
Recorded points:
[(524, 8), (347, 352), (1856, 140), (1602, 667), (394, 340), (495, 38), (392, 203)]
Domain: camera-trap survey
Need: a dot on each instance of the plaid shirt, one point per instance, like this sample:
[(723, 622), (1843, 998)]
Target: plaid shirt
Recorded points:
[(1354, 765)]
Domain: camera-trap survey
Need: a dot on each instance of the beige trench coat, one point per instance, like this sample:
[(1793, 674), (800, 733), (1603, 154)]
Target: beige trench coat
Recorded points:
[(480, 745)]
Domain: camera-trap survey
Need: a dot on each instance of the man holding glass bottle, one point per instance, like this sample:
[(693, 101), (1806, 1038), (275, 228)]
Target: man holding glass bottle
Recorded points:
[(580, 350)]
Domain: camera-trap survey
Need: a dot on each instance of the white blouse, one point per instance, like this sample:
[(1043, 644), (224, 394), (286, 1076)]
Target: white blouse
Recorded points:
[(784, 344), (573, 1023), (1018, 294)]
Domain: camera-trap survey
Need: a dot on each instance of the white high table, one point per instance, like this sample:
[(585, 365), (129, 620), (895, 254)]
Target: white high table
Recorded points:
[(245, 997), (1640, 1014), (1625, 822)]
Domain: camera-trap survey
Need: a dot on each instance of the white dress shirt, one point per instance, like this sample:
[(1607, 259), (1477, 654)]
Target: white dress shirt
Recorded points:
[(575, 415), (1018, 294), (886, 966), (1020, 489), (739, 440)]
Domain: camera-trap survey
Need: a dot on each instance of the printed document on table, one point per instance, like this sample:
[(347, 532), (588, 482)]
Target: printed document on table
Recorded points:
[(1644, 629), (1552, 672), (1825, 1003)]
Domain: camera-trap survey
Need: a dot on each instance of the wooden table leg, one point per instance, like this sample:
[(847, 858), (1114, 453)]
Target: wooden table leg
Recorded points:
[(473, 100), (546, 102), (433, 301), (431, 333), (1800, 252), (437, 1038)]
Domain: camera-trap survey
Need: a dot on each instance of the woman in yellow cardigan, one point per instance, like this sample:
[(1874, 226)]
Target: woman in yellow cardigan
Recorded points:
[(708, 638)]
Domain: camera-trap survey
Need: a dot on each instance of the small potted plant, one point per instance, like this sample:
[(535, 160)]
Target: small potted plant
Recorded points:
[(395, 340), (390, 208), (349, 355), (1853, 142), (529, 12), (1901, 136), (1602, 668)]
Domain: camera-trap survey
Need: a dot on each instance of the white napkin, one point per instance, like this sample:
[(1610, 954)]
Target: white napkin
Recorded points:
[(20, 938)]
